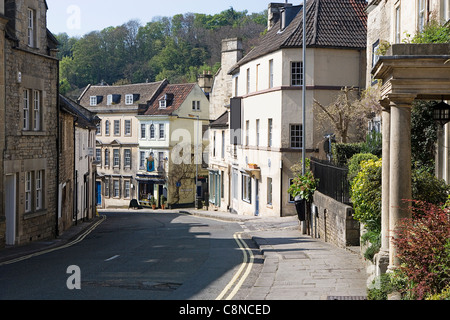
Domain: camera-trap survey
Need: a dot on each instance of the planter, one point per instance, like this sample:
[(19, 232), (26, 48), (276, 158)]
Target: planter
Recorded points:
[(419, 49), (300, 206), (253, 166), (153, 206)]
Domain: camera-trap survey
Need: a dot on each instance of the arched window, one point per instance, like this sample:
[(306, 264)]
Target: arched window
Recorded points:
[(152, 131)]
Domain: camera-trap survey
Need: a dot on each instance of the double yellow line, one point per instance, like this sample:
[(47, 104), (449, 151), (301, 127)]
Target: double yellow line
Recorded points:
[(77, 240), (246, 265)]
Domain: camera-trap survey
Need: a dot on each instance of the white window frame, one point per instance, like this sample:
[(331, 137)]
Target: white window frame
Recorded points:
[(163, 104), (143, 131), (126, 189), (116, 188), (129, 99), (270, 133), (162, 131), (39, 187), (246, 188), (107, 158), (271, 75), (257, 132), (109, 99), (296, 73), (117, 127), (248, 81), (116, 158), (297, 143), (26, 109), (142, 159), (36, 110), (28, 181), (195, 105), (107, 127), (127, 128), (127, 158), (93, 101), (31, 25), (152, 132), (269, 191)]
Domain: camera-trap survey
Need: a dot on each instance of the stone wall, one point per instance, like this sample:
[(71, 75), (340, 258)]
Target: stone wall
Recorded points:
[(334, 222)]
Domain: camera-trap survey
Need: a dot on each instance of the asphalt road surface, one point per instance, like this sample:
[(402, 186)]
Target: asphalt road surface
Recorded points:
[(136, 256)]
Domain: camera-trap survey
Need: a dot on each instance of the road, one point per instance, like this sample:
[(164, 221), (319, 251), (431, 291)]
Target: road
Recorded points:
[(136, 256)]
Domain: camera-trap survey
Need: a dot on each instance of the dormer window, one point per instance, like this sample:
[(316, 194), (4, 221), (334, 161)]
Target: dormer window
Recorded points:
[(93, 101), (129, 99), (162, 103), (109, 99)]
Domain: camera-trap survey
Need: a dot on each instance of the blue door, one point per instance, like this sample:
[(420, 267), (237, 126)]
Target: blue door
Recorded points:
[(99, 193)]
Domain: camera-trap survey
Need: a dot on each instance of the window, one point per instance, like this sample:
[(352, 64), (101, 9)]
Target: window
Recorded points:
[(161, 131), (106, 157), (246, 188), (247, 133), (127, 189), (28, 192), (93, 101), (270, 133), (422, 15), (116, 158), (271, 73), (143, 131), (99, 129), (107, 127), (236, 86), (26, 109), (223, 144), (214, 144), (296, 136), (98, 155), (127, 158), (129, 99), (160, 161), (116, 193), (142, 160), (152, 131), (162, 104), (235, 184), (296, 73), (128, 127), (398, 25), (107, 187), (31, 28), (196, 105), (257, 132), (257, 76), (248, 81), (36, 110), (109, 99), (269, 191), (39, 195), (117, 127)]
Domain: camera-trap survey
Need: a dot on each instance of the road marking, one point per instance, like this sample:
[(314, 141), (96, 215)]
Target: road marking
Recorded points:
[(112, 258), (246, 264), (77, 240)]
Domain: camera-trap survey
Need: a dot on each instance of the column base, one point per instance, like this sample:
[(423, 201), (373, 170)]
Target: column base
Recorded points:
[(381, 262)]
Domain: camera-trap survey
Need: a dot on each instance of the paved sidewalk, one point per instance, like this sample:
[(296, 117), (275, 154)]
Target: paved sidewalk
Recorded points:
[(296, 266)]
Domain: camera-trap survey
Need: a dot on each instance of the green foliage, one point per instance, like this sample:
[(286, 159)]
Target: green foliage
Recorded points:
[(426, 187), (176, 48), (342, 152), (385, 284), (423, 134), (304, 186), (366, 192), (433, 32), (354, 164)]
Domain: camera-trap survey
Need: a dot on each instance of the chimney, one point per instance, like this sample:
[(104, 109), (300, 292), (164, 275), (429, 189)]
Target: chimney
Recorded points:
[(274, 13)]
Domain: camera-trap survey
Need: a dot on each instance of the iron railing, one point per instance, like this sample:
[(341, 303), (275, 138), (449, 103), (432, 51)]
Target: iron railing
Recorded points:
[(333, 180)]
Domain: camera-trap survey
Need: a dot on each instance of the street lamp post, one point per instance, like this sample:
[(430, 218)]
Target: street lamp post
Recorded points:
[(196, 158)]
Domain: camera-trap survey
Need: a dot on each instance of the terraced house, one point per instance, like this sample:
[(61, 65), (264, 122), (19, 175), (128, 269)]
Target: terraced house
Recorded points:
[(29, 123), (265, 115)]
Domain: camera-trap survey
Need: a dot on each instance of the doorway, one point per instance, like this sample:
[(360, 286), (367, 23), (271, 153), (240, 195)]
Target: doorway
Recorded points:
[(10, 206)]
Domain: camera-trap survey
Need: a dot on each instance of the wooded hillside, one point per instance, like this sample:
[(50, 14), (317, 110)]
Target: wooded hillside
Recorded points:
[(177, 48)]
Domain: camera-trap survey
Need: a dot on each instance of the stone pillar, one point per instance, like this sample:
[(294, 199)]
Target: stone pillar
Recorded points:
[(399, 168), (382, 258)]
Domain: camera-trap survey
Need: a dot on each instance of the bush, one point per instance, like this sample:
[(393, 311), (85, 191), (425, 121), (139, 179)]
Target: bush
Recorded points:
[(426, 187), (354, 164), (423, 246), (342, 152), (366, 192)]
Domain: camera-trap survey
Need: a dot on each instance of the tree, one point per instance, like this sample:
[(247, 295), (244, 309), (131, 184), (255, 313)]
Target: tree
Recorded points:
[(348, 111)]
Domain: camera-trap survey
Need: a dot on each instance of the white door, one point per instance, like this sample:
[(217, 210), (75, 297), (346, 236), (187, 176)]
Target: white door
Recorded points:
[(10, 205)]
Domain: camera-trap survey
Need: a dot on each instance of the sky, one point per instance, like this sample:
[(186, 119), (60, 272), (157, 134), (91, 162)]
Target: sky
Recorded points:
[(79, 17)]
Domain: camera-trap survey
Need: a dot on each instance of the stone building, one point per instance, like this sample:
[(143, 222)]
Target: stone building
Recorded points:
[(117, 138), (266, 125), (77, 169), (29, 123)]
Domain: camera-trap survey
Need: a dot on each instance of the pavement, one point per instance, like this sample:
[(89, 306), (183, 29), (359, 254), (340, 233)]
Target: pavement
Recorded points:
[(296, 266)]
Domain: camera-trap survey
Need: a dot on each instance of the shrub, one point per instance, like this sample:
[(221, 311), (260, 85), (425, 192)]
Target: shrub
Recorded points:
[(342, 152), (354, 164), (426, 187), (304, 186), (423, 246)]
